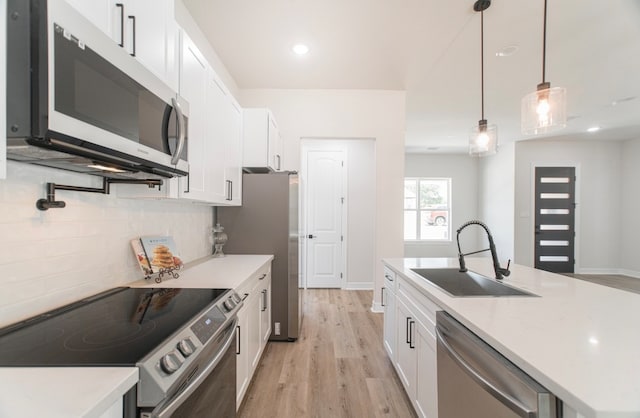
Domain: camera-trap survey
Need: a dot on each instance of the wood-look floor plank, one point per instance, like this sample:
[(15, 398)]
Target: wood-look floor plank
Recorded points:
[(337, 368)]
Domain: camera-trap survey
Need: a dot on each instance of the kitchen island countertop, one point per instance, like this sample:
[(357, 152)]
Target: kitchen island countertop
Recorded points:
[(578, 339)]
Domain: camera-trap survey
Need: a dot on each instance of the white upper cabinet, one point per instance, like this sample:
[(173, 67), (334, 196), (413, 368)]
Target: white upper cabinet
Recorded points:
[(146, 29), (263, 144), (194, 86), (98, 12), (216, 120), (233, 152)]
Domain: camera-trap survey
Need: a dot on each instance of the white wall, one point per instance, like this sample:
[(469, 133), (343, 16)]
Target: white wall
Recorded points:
[(349, 114), (496, 200), (630, 221), (360, 207), (598, 193), (463, 171), (51, 258)]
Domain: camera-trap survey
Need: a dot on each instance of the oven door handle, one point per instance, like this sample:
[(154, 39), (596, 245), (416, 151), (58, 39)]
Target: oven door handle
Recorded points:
[(167, 408)]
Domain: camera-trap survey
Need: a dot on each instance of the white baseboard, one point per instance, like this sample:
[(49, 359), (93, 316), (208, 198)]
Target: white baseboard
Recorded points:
[(377, 308), (358, 286), (624, 272), (630, 273)]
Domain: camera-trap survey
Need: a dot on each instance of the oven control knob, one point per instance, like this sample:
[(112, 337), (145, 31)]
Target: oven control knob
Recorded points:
[(169, 363), (236, 298), (186, 347), (229, 304)]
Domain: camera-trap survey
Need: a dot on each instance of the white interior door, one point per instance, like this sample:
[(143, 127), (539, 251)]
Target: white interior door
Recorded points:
[(325, 200)]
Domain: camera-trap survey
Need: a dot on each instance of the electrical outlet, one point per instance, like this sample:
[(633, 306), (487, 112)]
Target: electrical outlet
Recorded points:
[(277, 330)]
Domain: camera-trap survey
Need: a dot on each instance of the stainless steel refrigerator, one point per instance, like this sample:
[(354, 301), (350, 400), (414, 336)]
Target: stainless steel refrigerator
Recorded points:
[(267, 223)]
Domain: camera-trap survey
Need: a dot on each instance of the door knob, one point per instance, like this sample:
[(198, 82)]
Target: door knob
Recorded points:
[(311, 236)]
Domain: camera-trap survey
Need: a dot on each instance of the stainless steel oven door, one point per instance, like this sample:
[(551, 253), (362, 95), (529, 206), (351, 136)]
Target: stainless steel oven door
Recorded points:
[(211, 393)]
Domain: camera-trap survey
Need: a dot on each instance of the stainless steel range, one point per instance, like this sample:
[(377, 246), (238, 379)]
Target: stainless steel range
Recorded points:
[(182, 341)]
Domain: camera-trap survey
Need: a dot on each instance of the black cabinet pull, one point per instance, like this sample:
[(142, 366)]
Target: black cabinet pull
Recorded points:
[(264, 300), (133, 27), (382, 296), (411, 343), (239, 339), (121, 7), (229, 190)]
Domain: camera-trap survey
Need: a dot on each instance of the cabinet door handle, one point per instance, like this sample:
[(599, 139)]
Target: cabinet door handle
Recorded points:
[(278, 165), (408, 340), (264, 300), (411, 342), (382, 296), (121, 7), (229, 190), (239, 335), (386, 276), (263, 276), (133, 38)]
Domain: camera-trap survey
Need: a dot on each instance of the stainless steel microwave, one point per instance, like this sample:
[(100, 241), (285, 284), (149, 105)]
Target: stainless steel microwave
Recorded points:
[(78, 101)]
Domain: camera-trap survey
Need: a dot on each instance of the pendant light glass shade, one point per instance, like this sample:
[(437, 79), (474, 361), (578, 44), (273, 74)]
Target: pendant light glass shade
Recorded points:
[(544, 110), (483, 140)]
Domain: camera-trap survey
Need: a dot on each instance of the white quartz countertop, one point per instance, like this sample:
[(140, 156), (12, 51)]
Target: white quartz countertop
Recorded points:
[(578, 339), (70, 392), (226, 272), (62, 392)]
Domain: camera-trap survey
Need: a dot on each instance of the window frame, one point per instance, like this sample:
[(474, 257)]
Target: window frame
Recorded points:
[(418, 211)]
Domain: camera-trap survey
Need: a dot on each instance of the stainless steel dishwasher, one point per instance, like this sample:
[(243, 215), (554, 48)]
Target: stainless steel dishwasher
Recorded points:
[(474, 380)]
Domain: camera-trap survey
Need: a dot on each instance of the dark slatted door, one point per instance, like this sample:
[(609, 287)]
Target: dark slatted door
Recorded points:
[(555, 219)]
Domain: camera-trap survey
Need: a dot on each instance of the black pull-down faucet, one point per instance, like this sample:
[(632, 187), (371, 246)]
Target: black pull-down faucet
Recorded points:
[(499, 271)]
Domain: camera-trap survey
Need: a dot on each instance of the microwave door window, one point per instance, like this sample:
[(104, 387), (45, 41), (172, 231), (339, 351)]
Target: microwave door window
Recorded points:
[(151, 111), (89, 88)]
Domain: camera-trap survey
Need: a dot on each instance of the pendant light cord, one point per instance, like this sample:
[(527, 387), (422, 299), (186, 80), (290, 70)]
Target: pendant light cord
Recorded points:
[(544, 43), (482, 60)]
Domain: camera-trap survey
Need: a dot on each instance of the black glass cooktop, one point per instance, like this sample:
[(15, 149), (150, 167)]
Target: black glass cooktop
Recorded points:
[(116, 328)]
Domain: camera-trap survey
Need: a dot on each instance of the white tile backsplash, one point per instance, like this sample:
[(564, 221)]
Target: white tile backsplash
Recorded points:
[(51, 258)]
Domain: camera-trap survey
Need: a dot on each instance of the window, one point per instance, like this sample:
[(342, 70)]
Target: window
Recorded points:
[(427, 210)]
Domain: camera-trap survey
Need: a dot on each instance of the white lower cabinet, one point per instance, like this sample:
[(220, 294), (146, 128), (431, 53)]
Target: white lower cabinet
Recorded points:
[(254, 328), (411, 322)]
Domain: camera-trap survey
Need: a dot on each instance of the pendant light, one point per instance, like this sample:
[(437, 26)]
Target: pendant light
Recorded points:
[(545, 109), (484, 137)]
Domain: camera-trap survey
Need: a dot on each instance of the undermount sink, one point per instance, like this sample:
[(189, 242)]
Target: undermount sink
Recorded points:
[(468, 284)]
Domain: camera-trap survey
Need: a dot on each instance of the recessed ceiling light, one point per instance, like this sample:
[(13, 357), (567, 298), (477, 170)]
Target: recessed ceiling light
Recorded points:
[(300, 49), (593, 129), (507, 51)]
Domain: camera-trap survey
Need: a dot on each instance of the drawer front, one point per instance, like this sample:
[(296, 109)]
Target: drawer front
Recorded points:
[(250, 285), (424, 307)]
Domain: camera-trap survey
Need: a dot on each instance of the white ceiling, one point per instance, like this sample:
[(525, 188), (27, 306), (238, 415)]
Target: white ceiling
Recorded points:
[(432, 50)]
